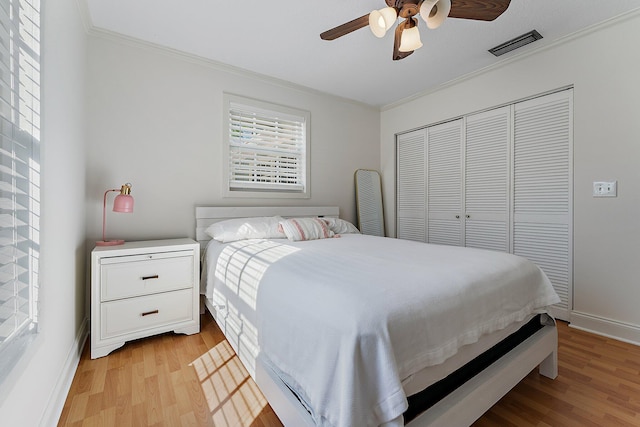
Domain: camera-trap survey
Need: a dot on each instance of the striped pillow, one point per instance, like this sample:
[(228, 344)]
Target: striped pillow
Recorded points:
[(297, 229)]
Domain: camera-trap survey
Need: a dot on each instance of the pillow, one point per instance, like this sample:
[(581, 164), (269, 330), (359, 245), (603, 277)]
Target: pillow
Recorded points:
[(340, 226), (246, 228), (297, 229)]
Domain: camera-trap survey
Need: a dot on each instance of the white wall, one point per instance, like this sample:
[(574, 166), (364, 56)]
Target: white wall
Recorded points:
[(38, 386), (155, 119), (603, 66)]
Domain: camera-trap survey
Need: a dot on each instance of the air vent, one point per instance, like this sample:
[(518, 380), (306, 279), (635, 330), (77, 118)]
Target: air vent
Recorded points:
[(516, 43)]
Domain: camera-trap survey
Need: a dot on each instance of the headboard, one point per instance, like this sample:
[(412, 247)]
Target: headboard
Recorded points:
[(207, 215)]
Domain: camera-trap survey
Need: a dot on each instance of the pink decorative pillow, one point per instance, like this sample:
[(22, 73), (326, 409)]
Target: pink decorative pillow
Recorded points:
[(297, 229)]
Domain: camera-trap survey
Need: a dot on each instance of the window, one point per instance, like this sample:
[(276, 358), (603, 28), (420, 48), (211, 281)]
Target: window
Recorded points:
[(19, 177), (266, 149)]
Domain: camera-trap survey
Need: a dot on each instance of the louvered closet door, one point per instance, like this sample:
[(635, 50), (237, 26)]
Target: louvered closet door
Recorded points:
[(411, 186), (444, 183), (487, 142), (542, 231)]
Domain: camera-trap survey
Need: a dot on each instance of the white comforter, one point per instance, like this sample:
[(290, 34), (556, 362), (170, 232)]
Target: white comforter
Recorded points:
[(345, 320)]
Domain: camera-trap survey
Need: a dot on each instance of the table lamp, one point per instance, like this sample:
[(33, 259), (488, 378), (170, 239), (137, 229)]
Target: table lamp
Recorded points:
[(122, 203)]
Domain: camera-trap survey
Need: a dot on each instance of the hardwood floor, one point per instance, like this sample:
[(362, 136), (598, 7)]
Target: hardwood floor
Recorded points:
[(598, 384), (167, 380), (177, 380)]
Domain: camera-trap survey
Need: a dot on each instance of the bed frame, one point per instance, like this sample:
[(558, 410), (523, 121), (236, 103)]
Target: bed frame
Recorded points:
[(461, 407)]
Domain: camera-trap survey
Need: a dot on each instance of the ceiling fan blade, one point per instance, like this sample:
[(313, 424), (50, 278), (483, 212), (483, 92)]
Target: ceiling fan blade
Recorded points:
[(346, 28), (397, 55), (481, 10)]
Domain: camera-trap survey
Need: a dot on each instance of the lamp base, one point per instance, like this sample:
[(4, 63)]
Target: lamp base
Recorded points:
[(109, 242)]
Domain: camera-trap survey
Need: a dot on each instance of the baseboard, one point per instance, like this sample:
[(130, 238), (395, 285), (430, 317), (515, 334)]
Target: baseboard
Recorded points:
[(609, 328), (560, 313), (56, 402)]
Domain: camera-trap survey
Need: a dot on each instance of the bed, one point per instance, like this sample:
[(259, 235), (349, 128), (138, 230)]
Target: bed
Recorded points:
[(351, 330)]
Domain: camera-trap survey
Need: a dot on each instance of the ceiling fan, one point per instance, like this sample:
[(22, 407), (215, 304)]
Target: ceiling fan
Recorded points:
[(433, 12)]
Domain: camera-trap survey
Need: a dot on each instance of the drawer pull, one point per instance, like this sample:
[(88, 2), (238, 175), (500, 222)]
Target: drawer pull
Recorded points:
[(150, 312), (150, 277)]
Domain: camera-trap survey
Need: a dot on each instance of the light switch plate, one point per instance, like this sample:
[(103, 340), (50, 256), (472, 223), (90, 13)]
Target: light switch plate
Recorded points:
[(605, 188)]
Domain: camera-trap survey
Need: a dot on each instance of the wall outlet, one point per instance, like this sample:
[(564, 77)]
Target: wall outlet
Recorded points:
[(605, 188)]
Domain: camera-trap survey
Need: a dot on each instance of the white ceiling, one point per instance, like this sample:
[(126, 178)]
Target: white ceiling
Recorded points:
[(280, 38)]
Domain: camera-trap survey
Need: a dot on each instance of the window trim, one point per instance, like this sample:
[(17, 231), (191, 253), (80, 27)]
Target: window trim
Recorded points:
[(257, 105)]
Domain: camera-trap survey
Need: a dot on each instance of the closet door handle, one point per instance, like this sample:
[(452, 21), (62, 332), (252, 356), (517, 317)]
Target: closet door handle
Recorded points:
[(457, 216), (468, 216)]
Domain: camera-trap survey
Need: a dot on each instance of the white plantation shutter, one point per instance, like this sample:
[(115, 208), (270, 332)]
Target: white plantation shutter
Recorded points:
[(542, 231), (267, 148), (444, 183), (411, 186), (19, 176), (488, 137)]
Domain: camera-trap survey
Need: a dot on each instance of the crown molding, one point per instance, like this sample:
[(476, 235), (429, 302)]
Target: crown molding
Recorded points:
[(515, 58)]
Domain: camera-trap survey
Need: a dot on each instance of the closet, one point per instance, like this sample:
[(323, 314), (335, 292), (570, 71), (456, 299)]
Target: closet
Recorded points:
[(499, 179)]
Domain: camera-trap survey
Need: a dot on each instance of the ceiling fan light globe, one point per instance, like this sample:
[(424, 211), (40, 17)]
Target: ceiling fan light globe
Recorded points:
[(381, 20), (410, 40), (376, 24), (442, 9), (390, 15)]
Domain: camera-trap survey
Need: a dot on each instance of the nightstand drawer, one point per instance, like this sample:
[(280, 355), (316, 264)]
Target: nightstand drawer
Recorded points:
[(137, 314), (125, 277)]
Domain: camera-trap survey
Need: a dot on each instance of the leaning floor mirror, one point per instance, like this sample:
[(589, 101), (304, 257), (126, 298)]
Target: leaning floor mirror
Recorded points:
[(369, 202)]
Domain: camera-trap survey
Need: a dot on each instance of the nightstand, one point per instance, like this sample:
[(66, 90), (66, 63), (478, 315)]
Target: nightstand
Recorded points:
[(144, 288)]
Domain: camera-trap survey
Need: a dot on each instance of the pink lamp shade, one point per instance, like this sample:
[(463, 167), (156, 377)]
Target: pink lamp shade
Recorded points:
[(122, 203)]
